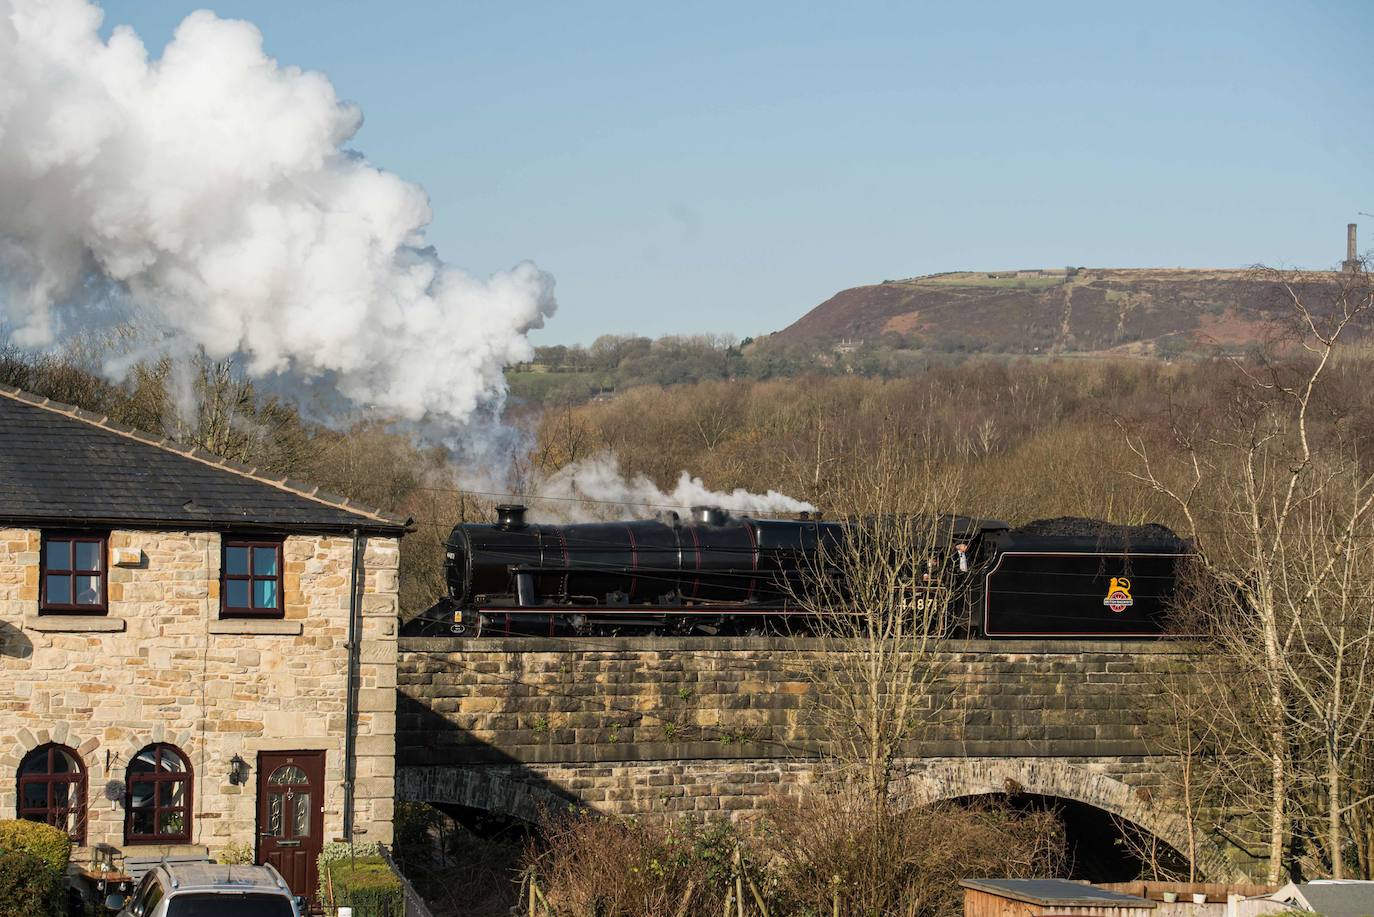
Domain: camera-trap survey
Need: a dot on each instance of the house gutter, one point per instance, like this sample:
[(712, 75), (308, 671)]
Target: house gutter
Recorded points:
[(351, 701)]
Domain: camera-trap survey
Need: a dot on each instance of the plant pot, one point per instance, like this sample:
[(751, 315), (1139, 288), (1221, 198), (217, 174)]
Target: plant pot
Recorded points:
[(1199, 899), (1170, 897)]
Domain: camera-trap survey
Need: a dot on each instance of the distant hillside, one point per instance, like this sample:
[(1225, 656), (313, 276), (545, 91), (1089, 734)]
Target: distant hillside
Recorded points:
[(1056, 311)]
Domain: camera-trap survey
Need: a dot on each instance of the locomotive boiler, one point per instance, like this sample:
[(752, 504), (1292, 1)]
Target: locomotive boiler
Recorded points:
[(716, 573)]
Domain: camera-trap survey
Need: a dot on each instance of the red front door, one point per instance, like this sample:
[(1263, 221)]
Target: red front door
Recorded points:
[(291, 816)]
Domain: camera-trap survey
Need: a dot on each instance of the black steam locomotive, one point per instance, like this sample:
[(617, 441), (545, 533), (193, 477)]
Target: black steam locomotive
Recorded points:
[(715, 573)]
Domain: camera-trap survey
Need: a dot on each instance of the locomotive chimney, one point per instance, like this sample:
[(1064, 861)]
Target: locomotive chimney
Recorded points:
[(510, 516), (709, 515)]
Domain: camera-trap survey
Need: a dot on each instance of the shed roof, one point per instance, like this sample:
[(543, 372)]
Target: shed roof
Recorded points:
[(1055, 892), (66, 466), (1346, 898)]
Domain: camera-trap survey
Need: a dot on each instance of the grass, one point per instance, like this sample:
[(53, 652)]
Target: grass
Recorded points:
[(532, 386), (982, 281), (368, 885)]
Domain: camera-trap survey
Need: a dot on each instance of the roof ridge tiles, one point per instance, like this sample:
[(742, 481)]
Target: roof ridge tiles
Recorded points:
[(329, 496), (90, 416), (236, 467), (300, 486), (118, 427), (204, 456)]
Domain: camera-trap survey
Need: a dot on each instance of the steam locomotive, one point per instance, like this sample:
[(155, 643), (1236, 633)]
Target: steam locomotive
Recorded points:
[(716, 573)]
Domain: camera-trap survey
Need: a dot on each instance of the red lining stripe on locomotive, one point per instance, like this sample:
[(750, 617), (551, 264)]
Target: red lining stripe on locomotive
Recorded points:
[(567, 562), (634, 562), (753, 560), (696, 548), (690, 611)]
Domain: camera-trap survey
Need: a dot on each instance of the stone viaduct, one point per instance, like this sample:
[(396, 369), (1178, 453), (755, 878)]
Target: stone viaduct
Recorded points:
[(672, 725)]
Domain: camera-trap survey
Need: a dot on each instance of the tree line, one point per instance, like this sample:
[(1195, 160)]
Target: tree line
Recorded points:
[(1265, 460)]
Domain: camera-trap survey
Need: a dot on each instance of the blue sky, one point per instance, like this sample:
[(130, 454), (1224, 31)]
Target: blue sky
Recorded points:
[(724, 167)]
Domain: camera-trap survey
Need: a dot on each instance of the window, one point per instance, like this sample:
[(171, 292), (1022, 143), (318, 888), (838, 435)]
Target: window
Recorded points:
[(155, 894), (222, 904), (52, 790), (251, 579), (73, 569), (158, 800), (149, 893)]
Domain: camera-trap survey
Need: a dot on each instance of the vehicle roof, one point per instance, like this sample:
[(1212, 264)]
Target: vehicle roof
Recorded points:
[(210, 876)]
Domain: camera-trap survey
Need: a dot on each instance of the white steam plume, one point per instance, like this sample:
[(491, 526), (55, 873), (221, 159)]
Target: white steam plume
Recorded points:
[(597, 489), (209, 196), (210, 193)]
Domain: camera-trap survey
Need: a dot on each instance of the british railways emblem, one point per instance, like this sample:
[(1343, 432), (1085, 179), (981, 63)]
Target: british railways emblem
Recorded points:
[(1119, 595)]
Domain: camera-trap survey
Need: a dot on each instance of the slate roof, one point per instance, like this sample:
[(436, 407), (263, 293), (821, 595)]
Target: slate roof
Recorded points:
[(1055, 893), (1331, 899), (62, 465)]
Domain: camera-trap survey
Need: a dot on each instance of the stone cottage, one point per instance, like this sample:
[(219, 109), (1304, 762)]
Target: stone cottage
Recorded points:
[(193, 654)]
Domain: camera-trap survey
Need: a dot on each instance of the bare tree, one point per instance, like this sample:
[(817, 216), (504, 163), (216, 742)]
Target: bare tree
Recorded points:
[(1250, 488), (1330, 666), (1188, 737), (883, 596)]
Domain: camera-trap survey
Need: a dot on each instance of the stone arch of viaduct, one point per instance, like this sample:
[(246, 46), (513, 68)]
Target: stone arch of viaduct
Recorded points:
[(716, 726)]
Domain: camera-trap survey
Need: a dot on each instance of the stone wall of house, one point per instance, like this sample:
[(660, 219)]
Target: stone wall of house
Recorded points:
[(162, 666)]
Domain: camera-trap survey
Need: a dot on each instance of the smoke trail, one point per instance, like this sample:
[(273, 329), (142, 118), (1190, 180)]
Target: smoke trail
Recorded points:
[(209, 194), (611, 495)]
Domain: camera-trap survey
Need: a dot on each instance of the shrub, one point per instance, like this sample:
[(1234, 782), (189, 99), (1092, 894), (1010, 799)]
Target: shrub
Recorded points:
[(235, 854), (29, 886), (33, 866), (900, 863), (414, 823), (356, 876), (49, 844), (905, 863), (592, 864)]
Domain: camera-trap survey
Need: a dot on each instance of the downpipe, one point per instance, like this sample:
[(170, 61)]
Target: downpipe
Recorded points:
[(351, 701)]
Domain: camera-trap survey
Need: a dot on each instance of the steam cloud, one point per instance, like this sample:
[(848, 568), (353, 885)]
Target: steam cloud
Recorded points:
[(209, 194), (600, 479)]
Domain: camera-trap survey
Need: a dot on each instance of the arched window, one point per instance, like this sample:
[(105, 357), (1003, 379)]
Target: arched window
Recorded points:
[(158, 801), (52, 789)]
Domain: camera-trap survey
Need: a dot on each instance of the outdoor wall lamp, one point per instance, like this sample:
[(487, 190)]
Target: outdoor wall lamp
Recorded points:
[(238, 771)]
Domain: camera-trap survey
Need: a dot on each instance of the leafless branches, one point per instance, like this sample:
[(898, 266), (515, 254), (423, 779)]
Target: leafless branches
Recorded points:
[(883, 596), (1282, 507)]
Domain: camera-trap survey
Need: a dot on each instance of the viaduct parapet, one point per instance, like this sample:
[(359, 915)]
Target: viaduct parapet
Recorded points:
[(673, 725)]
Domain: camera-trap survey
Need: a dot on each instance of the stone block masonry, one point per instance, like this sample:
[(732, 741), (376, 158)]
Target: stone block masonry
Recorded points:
[(693, 725), (162, 666), (607, 700)]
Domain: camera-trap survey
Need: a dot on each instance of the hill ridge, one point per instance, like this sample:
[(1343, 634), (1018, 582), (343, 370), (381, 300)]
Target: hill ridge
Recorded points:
[(1058, 310)]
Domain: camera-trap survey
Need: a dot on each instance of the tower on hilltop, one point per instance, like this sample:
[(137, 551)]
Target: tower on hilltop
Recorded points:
[(1351, 264)]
